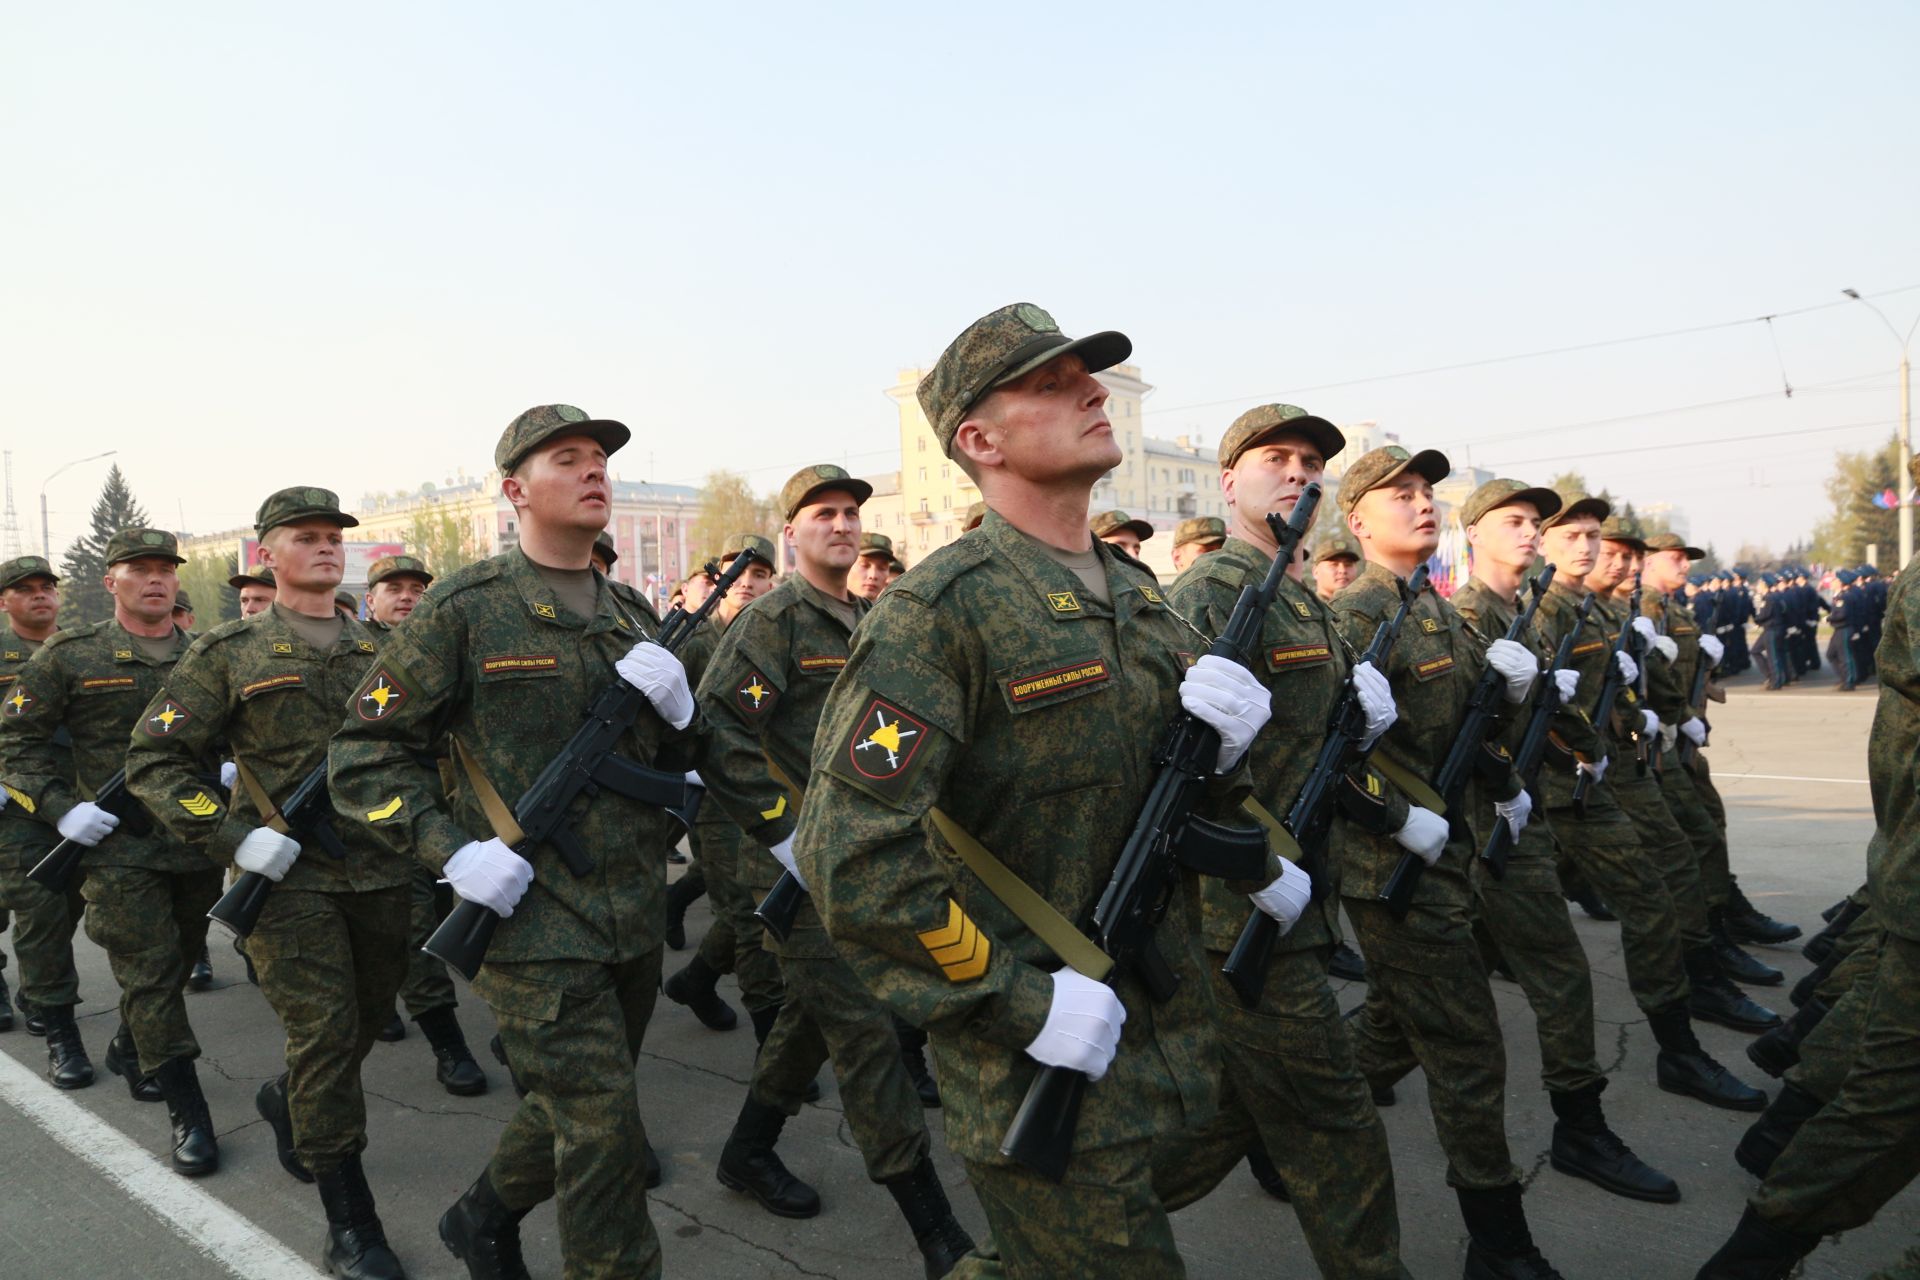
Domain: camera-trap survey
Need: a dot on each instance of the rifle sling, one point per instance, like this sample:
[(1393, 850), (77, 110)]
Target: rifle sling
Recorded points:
[(1032, 910), (1282, 840), (1407, 780), (269, 816), (499, 816)]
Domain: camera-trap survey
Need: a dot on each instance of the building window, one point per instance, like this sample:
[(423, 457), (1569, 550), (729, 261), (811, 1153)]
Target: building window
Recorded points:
[(923, 473), (946, 502), (922, 442), (946, 471)]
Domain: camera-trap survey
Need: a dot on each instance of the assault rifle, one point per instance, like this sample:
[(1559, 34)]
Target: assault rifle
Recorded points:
[(1612, 683), (307, 816), (1533, 745), (1697, 701), (55, 872)]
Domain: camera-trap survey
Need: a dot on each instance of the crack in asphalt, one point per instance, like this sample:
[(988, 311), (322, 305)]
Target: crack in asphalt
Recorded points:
[(654, 1197), (1619, 1048), (1539, 1163)]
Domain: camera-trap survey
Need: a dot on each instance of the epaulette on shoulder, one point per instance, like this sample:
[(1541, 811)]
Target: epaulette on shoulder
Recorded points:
[(464, 579), (926, 580), (225, 631), (1218, 568), (67, 635)]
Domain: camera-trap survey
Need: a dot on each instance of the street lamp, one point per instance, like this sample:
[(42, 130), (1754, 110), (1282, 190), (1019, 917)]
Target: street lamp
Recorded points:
[(46, 546), (1904, 481)]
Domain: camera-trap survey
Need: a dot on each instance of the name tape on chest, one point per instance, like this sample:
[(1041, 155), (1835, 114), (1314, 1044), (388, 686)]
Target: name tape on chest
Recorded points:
[(1298, 655), (1589, 646), (822, 662), (511, 663), (1433, 666), (96, 684), (1027, 688), (285, 680)]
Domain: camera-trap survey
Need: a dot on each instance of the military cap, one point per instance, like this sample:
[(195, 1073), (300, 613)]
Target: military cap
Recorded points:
[(1674, 542), (896, 564), (260, 577), (1108, 523), (749, 542), (1619, 528), (1576, 502), (1337, 545), (876, 544), (975, 514), (346, 600), (397, 566), (300, 503), (1500, 493), (1868, 571), (1371, 470), (800, 488), (1201, 529), (1846, 576), (182, 601), (546, 422), (994, 350), (1269, 420), (603, 543), (134, 544), (20, 568)]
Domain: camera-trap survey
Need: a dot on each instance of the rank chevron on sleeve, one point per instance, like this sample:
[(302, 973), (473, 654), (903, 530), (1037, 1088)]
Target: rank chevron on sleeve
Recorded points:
[(958, 946)]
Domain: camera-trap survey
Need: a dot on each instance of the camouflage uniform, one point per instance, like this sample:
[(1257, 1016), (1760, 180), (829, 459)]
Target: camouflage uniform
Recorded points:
[(43, 922), (1291, 1081), (1669, 687)]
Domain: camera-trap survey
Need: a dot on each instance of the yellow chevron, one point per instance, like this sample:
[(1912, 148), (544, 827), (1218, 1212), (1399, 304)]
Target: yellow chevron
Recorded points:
[(779, 807), (386, 810), (200, 806), (21, 798), (958, 947), (948, 934)]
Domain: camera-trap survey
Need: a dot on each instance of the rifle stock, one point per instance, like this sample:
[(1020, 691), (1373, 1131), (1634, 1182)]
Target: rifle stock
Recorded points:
[(1533, 747), (56, 871)]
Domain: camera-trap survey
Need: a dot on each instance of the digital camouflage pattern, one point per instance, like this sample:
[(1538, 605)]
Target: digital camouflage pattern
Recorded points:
[(1893, 764), (1371, 470), (137, 543), (19, 569), (1200, 529), (152, 925), (546, 422), (301, 502), (43, 922), (1263, 422), (999, 347)]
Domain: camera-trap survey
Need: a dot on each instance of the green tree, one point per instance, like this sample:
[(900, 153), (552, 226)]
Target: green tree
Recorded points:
[(727, 506), (1855, 522), (444, 542), (204, 577), (83, 592)]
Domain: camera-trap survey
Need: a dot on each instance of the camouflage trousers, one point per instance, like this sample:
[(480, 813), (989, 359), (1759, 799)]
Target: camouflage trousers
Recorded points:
[(43, 928), (732, 944), (1668, 850), (330, 965), (1604, 848), (1863, 1147), (1428, 1005), (1526, 916), (1715, 877), (572, 1029), (1103, 1219), (829, 1015), (428, 986), (1708, 841), (152, 925), (1829, 1051), (1291, 1084)]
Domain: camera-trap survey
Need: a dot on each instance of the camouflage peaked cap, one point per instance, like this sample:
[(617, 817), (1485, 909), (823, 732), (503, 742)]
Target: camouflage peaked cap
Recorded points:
[(1269, 420), (397, 566), (300, 503), (798, 491), (1108, 523), (750, 542), (1674, 542), (182, 601), (876, 544), (545, 422), (19, 569), (133, 544), (261, 577), (1339, 545), (1576, 502), (1371, 470), (1200, 529), (975, 514), (345, 600), (996, 349), (603, 543), (1500, 493), (1621, 529)]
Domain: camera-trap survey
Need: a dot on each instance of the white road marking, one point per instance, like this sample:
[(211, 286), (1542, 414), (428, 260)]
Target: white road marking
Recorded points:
[(1787, 777), (213, 1229)]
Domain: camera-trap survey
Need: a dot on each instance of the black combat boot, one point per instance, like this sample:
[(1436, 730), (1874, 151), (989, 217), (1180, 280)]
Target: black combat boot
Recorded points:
[(1820, 946), (749, 1163), (395, 1029), (67, 1063), (1501, 1247), (453, 1066), (356, 1244), (1585, 1147), (1715, 999), (34, 1017), (195, 1152), (923, 1203), (1768, 1136), (271, 1103), (693, 987), (1346, 964), (1757, 1251), (1683, 1067), (1734, 962), (6, 1005), (124, 1061), (1260, 1164), (1746, 922), (483, 1233), (200, 977), (1779, 1048), (913, 1056), (681, 894)]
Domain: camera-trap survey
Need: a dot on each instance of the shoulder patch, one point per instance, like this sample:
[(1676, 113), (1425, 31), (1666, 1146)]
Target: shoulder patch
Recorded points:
[(17, 702), (883, 748), (754, 696), (380, 696), (169, 716)]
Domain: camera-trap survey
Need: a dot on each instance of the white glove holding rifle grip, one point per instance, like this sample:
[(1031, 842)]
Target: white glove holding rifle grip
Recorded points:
[(229, 774), (1516, 665), (86, 824), (1667, 647), (1644, 625), (266, 852), (658, 674), (1595, 769), (490, 874), (1424, 834), (1569, 682), (1230, 698), (1696, 729), (1082, 1031), (1286, 898), (1649, 723), (1515, 811), (1376, 702), (1711, 646), (783, 854), (1629, 669)]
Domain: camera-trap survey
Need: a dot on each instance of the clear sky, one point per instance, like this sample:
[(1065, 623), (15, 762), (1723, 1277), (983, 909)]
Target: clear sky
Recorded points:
[(255, 245)]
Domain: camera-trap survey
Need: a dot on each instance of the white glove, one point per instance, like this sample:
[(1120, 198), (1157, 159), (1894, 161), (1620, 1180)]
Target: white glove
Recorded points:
[(1569, 682), (1629, 669), (268, 852), (1667, 647), (1644, 626), (1228, 697), (229, 774), (659, 675), (1696, 728), (1649, 723), (86, 823), (1376, 702), (4, 797), (1596, 769), (1515, 811), (1424, 834), (783, 854), (1286, 898), (1516, 665), (490, 874), (694, 779), (1711, 646), (1082, 1030)]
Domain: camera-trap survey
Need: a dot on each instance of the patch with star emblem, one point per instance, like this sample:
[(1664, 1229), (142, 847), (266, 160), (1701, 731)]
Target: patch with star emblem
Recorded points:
[(882, 753), (379, 696), (1063, 601), (754, 695), (170, 716), (17, 702)]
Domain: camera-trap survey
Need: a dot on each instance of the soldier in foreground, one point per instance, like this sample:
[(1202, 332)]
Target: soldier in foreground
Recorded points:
[(330, 945), (1015, 690)]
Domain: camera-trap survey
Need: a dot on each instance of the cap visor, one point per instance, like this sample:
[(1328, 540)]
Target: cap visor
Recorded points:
[(1099, 351), (1326, 437), (1544, 501), (860, 490)]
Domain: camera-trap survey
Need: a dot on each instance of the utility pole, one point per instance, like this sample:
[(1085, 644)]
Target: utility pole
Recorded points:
[(1903, 482), (46, 543), (10, 525)]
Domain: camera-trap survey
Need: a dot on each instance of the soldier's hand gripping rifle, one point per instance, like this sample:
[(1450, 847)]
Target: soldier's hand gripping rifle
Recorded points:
[(1310, 820), (307, 816), (588, 762), (1697, 702), (1533, 745), (55, 872), (1612, 684), (1166, 837), (1470, 751)]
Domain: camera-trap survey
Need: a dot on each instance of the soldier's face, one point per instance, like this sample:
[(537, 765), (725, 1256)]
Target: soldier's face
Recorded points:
[(1048, 427), (33, 604), (869, 577), (1572, 547), (1398, 518), (183, 618), (1508, 535), (144, 588), (748, 587), (254, 598), (309, 555), (1330, 576), (1612, 568), (1268, 478), (826, 532), (1186, 553), (1666, 570), (696, 590), (391, 600), (563, 485), (1125, 541)]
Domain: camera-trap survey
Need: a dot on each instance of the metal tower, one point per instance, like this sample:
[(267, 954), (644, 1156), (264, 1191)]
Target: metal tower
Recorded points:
[(10, 526)]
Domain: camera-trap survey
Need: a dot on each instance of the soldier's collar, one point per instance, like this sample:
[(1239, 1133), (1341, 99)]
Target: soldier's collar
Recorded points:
[(540, 601), (1058, 588)]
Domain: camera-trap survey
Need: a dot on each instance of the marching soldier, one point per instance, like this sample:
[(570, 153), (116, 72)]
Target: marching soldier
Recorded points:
[(330, 947), (256, 590), (1197, 537), (147, 894), (1119, 529), (1336, 559), (870, 572)]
